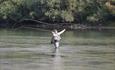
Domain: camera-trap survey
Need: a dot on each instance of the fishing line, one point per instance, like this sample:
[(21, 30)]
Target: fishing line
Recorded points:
[(53, 26), (30, 27)]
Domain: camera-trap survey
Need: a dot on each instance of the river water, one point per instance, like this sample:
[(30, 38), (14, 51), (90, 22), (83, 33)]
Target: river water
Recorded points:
[(27, 49)]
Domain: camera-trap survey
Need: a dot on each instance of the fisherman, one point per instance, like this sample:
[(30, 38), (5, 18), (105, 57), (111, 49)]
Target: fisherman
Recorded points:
[(56, 37)]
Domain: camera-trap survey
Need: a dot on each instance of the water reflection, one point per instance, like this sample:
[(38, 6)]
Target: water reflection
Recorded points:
[(80, 50), (57, 60)]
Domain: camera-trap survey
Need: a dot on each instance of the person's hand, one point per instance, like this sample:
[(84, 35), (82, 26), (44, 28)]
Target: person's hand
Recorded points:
[(64, 29)]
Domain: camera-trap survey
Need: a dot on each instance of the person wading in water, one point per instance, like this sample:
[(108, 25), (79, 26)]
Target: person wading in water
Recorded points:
[(56, 37)]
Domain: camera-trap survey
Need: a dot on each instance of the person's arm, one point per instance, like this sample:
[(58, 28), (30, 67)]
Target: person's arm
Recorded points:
[(61, 31), (52, 32)]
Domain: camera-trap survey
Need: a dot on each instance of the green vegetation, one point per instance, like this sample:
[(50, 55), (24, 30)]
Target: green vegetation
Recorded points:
[(77, 11)]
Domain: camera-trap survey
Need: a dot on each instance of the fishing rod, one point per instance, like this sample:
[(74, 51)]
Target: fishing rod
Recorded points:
[(37, 28), (53, 26)]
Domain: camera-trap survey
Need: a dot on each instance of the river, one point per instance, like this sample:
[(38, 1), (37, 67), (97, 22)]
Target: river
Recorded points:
[(28, 49)]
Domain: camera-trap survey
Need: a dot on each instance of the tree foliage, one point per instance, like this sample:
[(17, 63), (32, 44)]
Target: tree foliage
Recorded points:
[(55, 10)]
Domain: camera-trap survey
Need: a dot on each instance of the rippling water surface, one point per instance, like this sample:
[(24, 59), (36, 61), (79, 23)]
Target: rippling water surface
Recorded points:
[(80, 50)]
